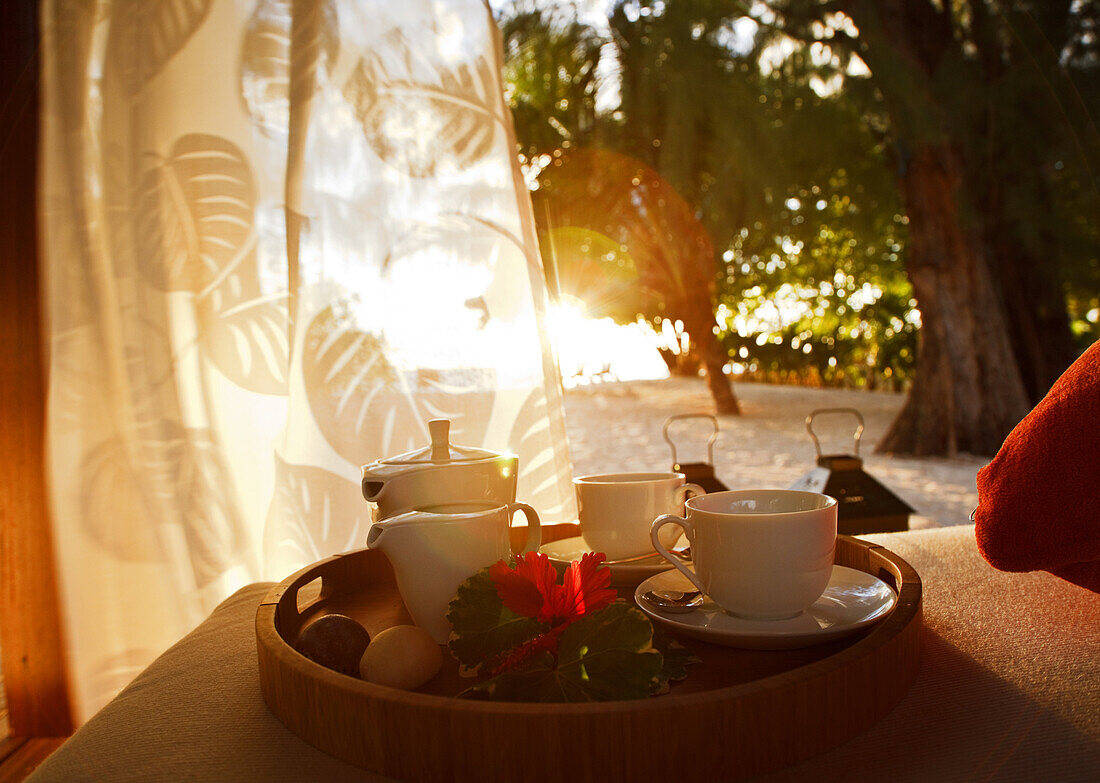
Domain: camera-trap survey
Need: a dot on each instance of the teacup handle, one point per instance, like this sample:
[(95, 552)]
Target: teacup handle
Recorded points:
[(683, 490), (689, 531), (534, 532)]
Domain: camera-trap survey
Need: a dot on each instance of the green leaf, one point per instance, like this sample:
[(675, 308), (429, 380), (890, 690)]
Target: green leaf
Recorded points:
[(676, 660), (482, 628), (609, 654), (604, 656), (538, 680)]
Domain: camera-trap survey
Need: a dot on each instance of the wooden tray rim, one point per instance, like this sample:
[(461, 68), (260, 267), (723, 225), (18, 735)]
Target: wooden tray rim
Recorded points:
[(907, 608)]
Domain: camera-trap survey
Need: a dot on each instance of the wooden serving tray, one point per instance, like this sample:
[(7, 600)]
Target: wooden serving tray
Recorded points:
[(739, 712)]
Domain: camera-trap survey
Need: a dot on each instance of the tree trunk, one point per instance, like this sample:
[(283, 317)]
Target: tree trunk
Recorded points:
[(968, 393), (699, 323), (1038, 323)]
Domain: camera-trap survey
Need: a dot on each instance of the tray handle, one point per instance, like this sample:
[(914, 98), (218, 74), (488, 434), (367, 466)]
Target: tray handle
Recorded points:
[(336, 577)]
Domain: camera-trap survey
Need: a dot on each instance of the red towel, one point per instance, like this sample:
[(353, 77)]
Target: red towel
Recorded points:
[(1039, 499)]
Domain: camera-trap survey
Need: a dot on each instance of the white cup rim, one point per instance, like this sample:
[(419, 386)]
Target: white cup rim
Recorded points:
[(429, 514), (713, 502), (611, 479)]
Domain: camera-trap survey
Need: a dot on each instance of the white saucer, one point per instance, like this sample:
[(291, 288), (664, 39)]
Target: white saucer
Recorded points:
[(566, 550), (853, 600)]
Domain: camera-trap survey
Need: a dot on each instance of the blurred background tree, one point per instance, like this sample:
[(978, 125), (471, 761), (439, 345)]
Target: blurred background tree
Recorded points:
[(983, 108), (897, 194), (550, 75), (628, 244)]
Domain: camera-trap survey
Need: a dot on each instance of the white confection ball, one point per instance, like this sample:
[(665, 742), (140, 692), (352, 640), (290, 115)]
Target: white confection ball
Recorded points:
[(403, 656)]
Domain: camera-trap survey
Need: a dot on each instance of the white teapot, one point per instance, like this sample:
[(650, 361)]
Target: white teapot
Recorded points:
[(436, 549), (439, 474)]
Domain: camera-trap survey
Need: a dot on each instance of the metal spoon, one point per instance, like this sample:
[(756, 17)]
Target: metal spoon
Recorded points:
[(674, 601)]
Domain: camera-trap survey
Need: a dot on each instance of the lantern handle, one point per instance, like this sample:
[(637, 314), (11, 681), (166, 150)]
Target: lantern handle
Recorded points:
[(710, 441), (810, 425)]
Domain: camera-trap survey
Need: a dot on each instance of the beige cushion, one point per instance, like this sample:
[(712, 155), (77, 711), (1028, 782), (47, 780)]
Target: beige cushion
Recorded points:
[(196, 713), (1009, 686), (1009, 690)]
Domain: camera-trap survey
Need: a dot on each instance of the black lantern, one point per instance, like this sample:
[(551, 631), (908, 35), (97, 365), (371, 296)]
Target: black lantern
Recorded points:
[(863, 504), (701, 473)]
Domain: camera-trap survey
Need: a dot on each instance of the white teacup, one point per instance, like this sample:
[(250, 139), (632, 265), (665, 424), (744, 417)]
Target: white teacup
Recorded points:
[(616, 509), (763, 554), (434, 550)]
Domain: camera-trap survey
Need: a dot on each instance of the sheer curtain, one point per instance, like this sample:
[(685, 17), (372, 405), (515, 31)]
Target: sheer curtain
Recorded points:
[(279, 236)]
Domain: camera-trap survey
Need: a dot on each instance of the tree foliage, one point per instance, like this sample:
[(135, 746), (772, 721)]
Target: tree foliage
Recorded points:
[(551, 76), (853, 161)]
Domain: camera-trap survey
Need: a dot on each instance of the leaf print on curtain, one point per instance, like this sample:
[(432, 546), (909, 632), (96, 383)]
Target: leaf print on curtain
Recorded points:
[(447, 121), (197, 234), (212, 526), (545, 471), (156, 29), (366, 408), (118, 484), (266, 59), (313, 514), (196, 210), (111, 489)]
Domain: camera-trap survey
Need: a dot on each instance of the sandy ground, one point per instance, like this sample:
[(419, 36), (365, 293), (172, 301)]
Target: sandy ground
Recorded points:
[(617, 427)]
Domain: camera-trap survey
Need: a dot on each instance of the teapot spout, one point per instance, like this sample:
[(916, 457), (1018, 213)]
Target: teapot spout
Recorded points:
[(372, 488), (374, 536)]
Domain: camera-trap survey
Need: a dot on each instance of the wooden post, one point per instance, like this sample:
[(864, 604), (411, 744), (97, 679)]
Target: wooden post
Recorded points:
[(30, 623)]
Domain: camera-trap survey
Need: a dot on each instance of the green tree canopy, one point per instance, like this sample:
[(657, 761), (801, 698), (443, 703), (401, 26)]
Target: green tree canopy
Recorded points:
[(852, 161)]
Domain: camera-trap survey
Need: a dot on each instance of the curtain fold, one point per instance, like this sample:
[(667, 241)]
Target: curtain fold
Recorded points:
[(279, 235)]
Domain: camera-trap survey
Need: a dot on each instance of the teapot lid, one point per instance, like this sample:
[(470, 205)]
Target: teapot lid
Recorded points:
[(441, 451)]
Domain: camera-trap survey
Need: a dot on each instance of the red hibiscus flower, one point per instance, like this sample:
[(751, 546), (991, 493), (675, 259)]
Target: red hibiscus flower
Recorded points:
[(530, 588)]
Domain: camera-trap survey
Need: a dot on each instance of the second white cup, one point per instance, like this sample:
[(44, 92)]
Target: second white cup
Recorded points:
[(616, 509)]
